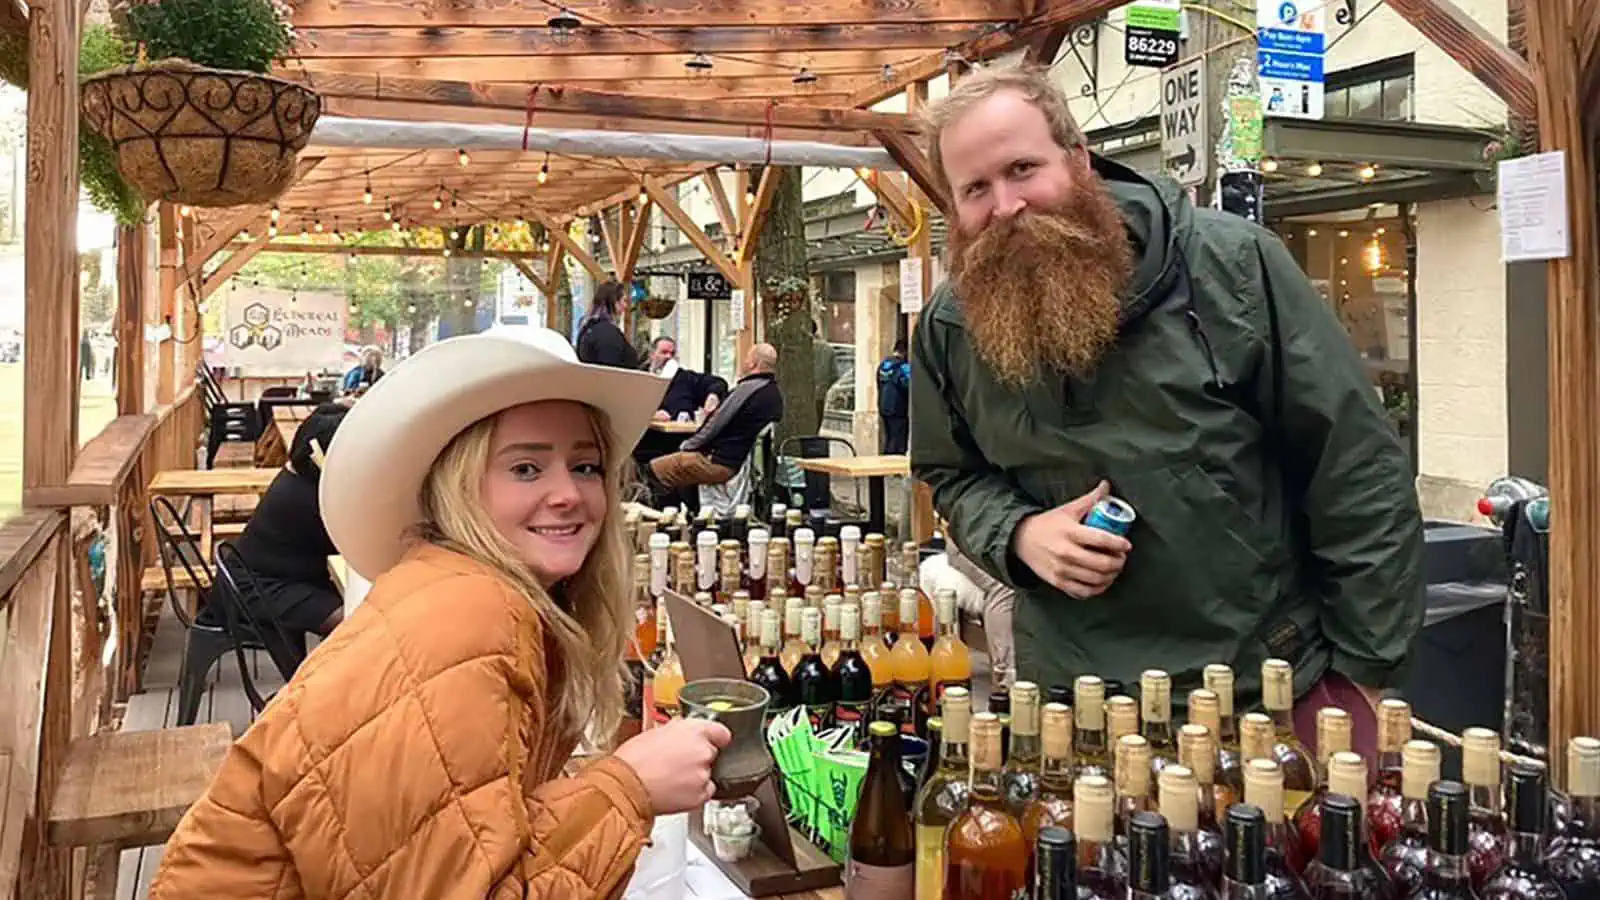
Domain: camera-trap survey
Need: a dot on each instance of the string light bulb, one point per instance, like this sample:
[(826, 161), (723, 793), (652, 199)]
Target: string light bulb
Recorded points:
[(272, 230), (462, 158), (1368, 172), (185, 211), (317, 225), (544, 169), (1314, 170), (438, 200), (276, 213), (366, 195)]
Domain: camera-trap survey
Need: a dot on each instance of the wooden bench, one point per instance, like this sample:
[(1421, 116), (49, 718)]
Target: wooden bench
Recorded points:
[(131, 788)]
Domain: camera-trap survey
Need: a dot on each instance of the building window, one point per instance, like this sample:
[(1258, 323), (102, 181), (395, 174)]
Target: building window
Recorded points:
[(1378, 91), (839, 307)]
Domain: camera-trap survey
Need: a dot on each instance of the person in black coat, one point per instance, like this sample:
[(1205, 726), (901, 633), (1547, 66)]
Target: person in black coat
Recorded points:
[(600, 341)]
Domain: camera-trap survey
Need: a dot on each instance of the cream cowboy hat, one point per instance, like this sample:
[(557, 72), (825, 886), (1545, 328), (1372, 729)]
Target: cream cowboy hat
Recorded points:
[(372, 477)]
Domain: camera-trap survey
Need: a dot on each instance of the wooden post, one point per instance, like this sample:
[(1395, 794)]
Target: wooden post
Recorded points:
[(50, 337), (188, 324), (1574, 339), (166, 355), (922, 248), (133, 244)]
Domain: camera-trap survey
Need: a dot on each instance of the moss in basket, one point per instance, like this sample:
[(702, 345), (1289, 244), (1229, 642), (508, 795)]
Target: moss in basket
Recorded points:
[(246, 35)]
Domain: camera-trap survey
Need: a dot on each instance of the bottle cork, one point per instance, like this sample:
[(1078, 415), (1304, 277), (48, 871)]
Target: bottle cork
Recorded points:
[(956, 707), (1333, 732), (1092, 808), (1218, 679), (1205, 710), (1263, 787), (985, 742), (1197, 752), (1419, 769), (1256, 736), (1088, 703), (1155, 695), (1025, 708), (1122, 716), (1057, 731), (1583, 767), (1347, 774), (1180, 798), (1480, 757), (1131, 765), (1277, 685), (1394, 726)]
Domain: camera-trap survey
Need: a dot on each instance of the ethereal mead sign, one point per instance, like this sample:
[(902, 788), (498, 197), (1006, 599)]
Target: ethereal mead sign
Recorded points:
[(273, 333)]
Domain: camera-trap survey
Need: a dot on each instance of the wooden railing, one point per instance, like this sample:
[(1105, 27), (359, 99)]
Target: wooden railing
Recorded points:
[(58, 681)]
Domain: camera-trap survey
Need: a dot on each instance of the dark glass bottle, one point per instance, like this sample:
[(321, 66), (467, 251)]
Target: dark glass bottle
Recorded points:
[(851, 675), (1059, 693), (1447, 876), (1342, 869), (1000, 705), (1524, 876), (1574, 857), (1263, 789), (1102, 869), (1247, 872), (1149, 858), (1383, 803), (1195, 857), (1055, 872), (813, 683), (883, 850), (1406, 858), (769, 672), (1347, 775)]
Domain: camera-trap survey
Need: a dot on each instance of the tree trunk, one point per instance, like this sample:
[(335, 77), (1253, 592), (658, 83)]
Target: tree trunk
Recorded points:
[(781, 261)]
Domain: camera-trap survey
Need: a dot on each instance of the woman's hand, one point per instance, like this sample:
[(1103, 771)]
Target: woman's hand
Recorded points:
[(674, 762)]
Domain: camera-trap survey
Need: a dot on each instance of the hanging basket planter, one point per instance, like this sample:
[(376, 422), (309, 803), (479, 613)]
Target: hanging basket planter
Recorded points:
[(657, 307), (189, 134)]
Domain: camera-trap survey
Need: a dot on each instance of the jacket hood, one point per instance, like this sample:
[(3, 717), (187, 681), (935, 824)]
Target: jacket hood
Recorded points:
[(1159, 217)]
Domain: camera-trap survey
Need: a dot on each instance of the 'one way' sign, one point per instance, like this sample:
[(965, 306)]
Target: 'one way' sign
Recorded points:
[(1185, 152)]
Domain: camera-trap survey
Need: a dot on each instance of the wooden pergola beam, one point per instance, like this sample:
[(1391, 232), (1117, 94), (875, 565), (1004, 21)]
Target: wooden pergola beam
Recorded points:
[(242, 253), (521, 265), (664, 14), (889, 193), (564, 239), (638, 228), (691, 230), (270, 246), (755, 216), (918, 167), (1474, 49), (556, 268), (712, 178)]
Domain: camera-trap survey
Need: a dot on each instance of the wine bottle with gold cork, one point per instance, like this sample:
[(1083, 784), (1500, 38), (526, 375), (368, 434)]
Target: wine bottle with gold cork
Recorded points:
[(683, 575), (1383, 803), (1102, 867), (794, 645), (831, 624), (1132, 770), (1155, 718), (1091, 752), (777, 575), (825, 565), (1347, 775), (1227, 780), (1486, 825), (1196, 853), (872, 561), (1333, 736), (1406, 856), (1263, 789), (752, 632), (1573, 853), (986, 855), (944, 795), (873, 647), (1052, 805), (1256, 740), (1277, 696), (730, 572), (1021, 775), (1122, 717), (1197, 752), (911, 580)]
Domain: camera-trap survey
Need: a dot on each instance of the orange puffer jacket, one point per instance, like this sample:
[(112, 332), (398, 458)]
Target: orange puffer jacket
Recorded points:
[(412, 756)]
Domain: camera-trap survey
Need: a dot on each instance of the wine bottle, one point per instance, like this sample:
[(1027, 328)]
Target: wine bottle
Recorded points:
[(1406, 856), (667, 682), (683, 575), (1244, 875), (1277, 697), (912, 668), (911, 580), (852, 675), (1149, 856), (1122, 717), (794, 643), (1525, 875), (1000, 704), (1333, 736), (832, 604), (770, 672), (1256, 739), (1263, 789), (755, 613), (1446, 876), (1347, 775), (1340, 871), (986, 856), (1205, 712), (883, 850), (873, 560), (1383, 803), (1486, 827), (873, 648), (1574, 857), (849, 555), (706, 561), (825, 565), (805, 545), (1089, 745), (778, 520), (1195, 864), (730, 572), (944, 795), (1021, 775), (777, 581), (1197, 753), (950, 661), (755, 574), (1052, 805), (638, 648), (812, 679), (1102, 869), (1132, 769), (1155, 713), (1055, 871)]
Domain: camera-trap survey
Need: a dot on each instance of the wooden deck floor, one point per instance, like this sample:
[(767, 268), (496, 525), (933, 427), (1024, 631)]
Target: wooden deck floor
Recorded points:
[(157, 707)]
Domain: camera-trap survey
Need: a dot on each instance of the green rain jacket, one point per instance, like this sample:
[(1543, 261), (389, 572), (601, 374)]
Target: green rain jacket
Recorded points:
[(1277, 515)]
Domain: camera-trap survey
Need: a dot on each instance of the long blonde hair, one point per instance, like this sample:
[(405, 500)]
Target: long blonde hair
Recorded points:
[(586, 687)]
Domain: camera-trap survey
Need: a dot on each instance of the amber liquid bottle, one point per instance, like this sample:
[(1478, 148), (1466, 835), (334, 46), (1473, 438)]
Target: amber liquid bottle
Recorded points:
[(943, 796), (950, 660), (1333, 736), (883, 848), (667, 682), (1198, 754), (1155, 713), (1102, 868), (634, 653), (754, 614), (1204, 712), (1194, 857), (1052, 805), (1134, 790), (1263, 789), (912, 668), (1021, 776), (1524, 875), (1091, 753), (1277, 696), (1218, 679), (1405, 856), (873, 647), (911, 580), (1486, 825), (1383, 803), (986, 855), (1574, 857), (754, 578), (794, 645), (832, 622)]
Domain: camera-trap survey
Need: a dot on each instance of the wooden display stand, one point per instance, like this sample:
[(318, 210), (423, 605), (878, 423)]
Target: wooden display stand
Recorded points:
[(781, 860)]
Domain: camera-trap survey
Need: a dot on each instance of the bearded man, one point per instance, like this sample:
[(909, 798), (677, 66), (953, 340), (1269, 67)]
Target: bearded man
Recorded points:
[(1098, 335)]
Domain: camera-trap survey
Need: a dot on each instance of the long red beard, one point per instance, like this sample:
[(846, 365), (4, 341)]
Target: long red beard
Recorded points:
[(1042, 290)]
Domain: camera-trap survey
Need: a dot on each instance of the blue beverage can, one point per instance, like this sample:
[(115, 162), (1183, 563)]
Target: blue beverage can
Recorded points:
[(1111, 514)]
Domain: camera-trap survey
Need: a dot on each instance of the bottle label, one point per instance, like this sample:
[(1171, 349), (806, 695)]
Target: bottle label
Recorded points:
[(930, 862), (864, 882)]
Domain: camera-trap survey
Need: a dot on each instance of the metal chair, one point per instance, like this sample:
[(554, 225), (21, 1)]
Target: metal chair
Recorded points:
[(239, 594)]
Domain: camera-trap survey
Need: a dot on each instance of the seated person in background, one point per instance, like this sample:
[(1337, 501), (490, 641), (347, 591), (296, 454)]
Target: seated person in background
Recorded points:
[(978, 594), (689, 391), (367, 374), (285, 545), (714, 453)]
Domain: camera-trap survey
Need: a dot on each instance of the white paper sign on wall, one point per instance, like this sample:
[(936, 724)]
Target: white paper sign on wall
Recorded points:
[(736, 309), (1533, 207), (911, 285)]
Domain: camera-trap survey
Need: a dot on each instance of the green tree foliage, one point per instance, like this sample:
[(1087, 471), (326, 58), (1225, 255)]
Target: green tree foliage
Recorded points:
[(247, 35)]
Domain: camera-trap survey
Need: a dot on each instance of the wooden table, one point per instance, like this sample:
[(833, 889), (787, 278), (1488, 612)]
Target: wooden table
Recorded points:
[(675, 427), (205, 485), (873, 468)]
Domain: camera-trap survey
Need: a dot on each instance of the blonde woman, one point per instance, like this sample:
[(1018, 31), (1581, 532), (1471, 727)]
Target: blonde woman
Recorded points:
[(418, 752)]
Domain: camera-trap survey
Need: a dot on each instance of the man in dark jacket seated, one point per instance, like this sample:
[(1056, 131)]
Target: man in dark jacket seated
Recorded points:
[(713, 454), (690, 391)]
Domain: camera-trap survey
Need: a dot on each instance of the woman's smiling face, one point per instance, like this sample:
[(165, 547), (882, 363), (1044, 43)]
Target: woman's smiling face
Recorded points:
[(544, 487)]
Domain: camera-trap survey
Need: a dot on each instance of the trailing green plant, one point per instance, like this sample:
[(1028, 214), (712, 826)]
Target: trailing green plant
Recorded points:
[(246, 35)]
